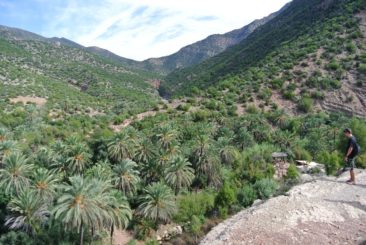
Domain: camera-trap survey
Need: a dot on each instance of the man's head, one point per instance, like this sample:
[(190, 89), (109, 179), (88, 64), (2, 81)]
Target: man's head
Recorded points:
[(347, 132)]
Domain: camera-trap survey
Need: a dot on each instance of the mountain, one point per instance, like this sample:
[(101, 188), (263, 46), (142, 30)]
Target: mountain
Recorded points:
[(63, 71), (187, 56), (307, 214), (312, 54), (191, 54), (204, 49)]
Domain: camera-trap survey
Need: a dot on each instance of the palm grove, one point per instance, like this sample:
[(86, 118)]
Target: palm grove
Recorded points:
[(73, 179)]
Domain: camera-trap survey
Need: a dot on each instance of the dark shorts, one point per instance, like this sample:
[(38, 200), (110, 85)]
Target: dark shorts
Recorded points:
[(350, 164)]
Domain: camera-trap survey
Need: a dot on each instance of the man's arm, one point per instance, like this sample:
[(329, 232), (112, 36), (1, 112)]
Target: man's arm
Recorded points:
[(350, 149)]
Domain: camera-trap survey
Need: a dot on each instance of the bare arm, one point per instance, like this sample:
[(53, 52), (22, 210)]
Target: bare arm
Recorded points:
[(349, 151)]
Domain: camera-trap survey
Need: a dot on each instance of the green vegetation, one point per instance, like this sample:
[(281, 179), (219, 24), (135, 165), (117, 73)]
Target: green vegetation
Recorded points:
[(68, 177), (304, 54)]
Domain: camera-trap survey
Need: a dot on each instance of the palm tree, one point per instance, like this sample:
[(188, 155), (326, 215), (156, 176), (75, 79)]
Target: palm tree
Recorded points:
[(120, 212), (166, 136), (6, 148), (78, 158), (28, 212), (45, 184), (126, 176), (3, 134), (157, 203), (145, 151), (228, 153), (15, 175), (244, 138), (179, 173), (83, 204), (101, 170), (121, 147)]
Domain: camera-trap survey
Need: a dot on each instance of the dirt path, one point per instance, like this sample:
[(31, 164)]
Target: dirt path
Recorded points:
[(173, 104), (325, 211), (122, 237), (29, 99)]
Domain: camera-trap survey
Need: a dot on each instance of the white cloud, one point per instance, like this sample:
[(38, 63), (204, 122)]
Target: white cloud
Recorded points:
[(142, 29)]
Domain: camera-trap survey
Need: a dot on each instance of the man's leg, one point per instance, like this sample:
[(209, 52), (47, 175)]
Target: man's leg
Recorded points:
[(351, 163), (353, 178)]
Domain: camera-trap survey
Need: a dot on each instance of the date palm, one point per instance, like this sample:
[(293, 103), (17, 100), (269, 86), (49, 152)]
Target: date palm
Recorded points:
[(126, 176), (15, 176), (157, 203), (119, 212), (166, 136), (121, 147), (179, 173), (6, 148), (28, 212), (45, 184), (145, 151), (78, 158), (83, 204)]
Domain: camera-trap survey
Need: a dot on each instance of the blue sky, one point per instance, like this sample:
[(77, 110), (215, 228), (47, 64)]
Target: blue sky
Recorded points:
[(136, 29)]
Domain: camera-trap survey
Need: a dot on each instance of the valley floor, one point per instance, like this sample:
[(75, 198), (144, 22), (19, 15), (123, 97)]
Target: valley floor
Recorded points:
[(325, 211)]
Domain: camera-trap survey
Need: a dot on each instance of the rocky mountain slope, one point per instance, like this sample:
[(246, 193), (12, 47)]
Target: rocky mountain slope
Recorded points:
[(324, 211), (312, 53), (206, 48)]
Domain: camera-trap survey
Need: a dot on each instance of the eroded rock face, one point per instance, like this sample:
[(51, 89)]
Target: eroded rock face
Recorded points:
[(324, 211)]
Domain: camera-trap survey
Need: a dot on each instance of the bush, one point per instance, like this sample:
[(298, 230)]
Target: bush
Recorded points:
[(334, 65), (194, 204), (252, 109), (362, 68), (331, 161), (225, 197), (246, 196), (361, 161), (265, 188), (302, 154), (306, 104), (292, 172)]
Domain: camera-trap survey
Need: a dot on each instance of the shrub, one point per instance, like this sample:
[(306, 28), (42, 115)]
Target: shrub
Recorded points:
[(302, 154), (306, 104), (252, 109), (265, 188), (331, 161), (361, 161), (194, 204), (246, 196), (362, 68), (225, 197), (334, 65), (292, 172)]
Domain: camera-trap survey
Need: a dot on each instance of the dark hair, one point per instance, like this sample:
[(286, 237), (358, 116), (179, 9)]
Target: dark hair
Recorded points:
[(347, 130)]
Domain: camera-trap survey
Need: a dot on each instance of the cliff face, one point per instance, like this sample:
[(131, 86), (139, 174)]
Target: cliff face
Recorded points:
[(324, 211)]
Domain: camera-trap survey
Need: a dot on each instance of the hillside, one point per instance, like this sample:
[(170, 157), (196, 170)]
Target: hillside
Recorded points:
[(63, 72), (311, 55), (325, 211)]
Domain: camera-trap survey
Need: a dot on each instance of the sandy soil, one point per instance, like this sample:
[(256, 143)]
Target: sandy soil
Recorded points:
[(28, 99), (122, 237), (325, 211)]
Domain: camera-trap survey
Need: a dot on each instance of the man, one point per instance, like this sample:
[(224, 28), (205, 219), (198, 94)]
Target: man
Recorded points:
[(351, 153)]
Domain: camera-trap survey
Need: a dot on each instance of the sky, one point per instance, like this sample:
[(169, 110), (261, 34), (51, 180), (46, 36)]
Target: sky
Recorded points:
[(136, 29)]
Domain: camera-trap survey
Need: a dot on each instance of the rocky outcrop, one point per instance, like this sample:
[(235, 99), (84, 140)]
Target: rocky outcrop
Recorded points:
[(323, 211)]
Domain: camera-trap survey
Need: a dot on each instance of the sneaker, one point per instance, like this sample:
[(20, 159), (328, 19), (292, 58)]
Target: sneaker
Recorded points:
[(350, 182)]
